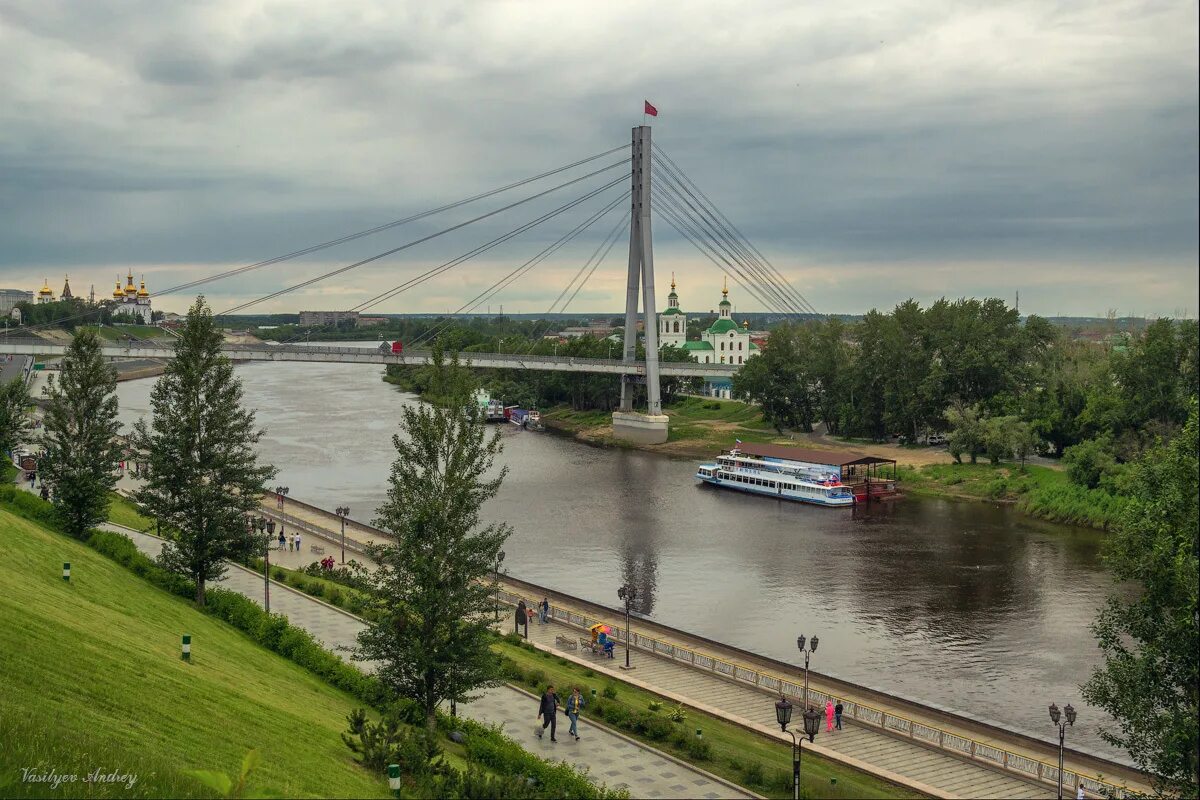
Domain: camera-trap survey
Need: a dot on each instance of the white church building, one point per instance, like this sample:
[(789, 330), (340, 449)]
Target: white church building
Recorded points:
[(723, 342), (133, 300)]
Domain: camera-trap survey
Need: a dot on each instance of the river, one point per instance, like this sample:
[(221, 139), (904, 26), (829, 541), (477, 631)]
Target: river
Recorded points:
[(968, 606)]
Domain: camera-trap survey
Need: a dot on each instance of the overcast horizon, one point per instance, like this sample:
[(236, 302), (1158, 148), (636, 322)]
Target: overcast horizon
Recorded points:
[(873, 153)]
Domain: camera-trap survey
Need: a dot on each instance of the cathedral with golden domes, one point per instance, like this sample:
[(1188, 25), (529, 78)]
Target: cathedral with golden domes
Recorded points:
[(134, 300)]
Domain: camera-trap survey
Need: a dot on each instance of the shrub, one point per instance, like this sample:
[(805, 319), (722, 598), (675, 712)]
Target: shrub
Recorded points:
[(335, 596), (656, 706), (677, 714), (752, 773), (610, 691), (654, 727), (698, 748)]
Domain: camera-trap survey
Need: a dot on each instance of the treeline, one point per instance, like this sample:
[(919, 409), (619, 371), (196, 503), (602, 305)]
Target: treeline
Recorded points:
[(74, 312), (582, 391), (456, 333), (999, 386)]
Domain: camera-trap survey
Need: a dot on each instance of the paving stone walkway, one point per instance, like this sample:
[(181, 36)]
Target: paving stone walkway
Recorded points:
[(609, 758)]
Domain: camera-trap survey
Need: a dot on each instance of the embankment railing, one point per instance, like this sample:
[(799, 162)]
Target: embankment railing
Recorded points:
[(894, 724)]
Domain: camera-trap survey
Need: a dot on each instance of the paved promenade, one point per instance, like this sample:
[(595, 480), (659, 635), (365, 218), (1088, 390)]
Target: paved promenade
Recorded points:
[(610, 758), (908, 761)]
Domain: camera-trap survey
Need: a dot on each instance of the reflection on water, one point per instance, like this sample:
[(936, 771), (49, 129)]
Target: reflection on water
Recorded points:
[(964, 605)]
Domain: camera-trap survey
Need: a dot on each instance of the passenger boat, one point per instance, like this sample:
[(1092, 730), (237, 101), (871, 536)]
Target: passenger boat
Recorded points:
[(777, 477)]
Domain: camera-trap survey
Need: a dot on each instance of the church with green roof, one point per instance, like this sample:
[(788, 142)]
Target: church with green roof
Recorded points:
[(723, 342)]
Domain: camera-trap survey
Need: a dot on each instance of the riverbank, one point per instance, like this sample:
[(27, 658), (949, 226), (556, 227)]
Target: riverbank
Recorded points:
[(1035, 490)]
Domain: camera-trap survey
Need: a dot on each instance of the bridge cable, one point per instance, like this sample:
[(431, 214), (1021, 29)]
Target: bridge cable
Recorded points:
[(726, 247), (729, 244), (686, 230), (331, 242), (744, 245), (403, 287), (804, 302), (680, 220), (605, 244), (413, 243), (388, 225), (517, 272)]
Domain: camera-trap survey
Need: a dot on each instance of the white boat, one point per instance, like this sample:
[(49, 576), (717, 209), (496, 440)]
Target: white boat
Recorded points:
[(778, 478)]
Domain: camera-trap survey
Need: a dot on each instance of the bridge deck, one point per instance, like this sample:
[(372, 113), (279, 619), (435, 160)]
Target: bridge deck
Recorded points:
[(882, 748), (367, 355)]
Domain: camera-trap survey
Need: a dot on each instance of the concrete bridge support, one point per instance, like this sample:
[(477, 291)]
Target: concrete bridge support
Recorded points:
[(651, 427)]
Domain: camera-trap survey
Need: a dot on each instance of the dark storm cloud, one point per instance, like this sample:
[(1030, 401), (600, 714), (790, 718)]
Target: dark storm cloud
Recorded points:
[(874, 151)]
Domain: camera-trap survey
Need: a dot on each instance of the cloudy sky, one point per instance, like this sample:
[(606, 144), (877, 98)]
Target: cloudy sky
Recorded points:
[(874, 150)]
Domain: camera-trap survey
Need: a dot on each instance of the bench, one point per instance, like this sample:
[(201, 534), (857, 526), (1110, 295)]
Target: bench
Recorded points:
[(587, 644), (317, 549), (565, 642)]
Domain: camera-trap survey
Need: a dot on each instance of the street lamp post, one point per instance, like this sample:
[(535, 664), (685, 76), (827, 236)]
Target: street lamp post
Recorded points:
[(499, 561), (812, 648), (343, 512), (812, 723), (627, 593), (1056, 717)]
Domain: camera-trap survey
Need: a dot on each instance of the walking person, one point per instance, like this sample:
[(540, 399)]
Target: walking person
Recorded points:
[(828, 715), (837, 715), (290, 543), (281, 540), (297, 543), (544, 611), (548, 713), (519, 617), (574, 704)]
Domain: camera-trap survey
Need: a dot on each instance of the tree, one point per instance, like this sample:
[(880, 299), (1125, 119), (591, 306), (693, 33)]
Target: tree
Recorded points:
[(80, 439), (778, 380), (203, 474), (14, 414), (431, 595), (967, 432), (1149, 680)]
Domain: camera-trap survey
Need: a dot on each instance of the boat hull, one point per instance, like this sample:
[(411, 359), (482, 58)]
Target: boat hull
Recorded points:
[(825, 502)]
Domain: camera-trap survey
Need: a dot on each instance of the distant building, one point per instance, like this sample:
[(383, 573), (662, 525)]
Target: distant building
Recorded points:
[(132, 300), (370, 322), (10, 297), (45, 294), (723, 342), (316, 319), (66, 292)]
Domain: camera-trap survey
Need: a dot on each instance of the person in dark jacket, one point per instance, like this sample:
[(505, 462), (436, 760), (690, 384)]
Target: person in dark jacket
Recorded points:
[(837, 714), (521, 617), (548, 713)]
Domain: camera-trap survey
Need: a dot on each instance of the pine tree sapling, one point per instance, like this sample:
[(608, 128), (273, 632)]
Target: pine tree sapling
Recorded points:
[(81, 449), (431, 594), (203, 474)]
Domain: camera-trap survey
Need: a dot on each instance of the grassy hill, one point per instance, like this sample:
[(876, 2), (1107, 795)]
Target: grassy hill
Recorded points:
[(90, 677)]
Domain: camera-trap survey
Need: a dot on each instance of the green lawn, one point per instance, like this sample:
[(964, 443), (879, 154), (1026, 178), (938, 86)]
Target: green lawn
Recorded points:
[(90, 676), (115, 332), (744, 757), (122, 511), (1037, 490)]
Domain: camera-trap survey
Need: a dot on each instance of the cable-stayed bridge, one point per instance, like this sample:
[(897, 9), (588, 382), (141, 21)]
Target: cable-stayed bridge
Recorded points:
[(595, 194)]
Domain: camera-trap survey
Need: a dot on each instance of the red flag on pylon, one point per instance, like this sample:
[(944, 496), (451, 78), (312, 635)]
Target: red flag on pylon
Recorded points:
[(651, 110)]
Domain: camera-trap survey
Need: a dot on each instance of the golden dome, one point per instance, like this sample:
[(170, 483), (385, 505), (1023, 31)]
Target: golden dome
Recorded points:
[(117, 293), (45, 291), (130, 289), (142, 291)]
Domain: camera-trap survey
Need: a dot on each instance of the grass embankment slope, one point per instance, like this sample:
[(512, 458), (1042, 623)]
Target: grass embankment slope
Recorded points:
[(1040, 491), (90, 677)]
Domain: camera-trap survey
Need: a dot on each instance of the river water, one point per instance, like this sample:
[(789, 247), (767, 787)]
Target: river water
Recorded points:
[(967, 606)]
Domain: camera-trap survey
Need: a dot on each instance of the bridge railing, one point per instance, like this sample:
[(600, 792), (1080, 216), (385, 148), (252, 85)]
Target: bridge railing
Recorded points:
[(887, 721)]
